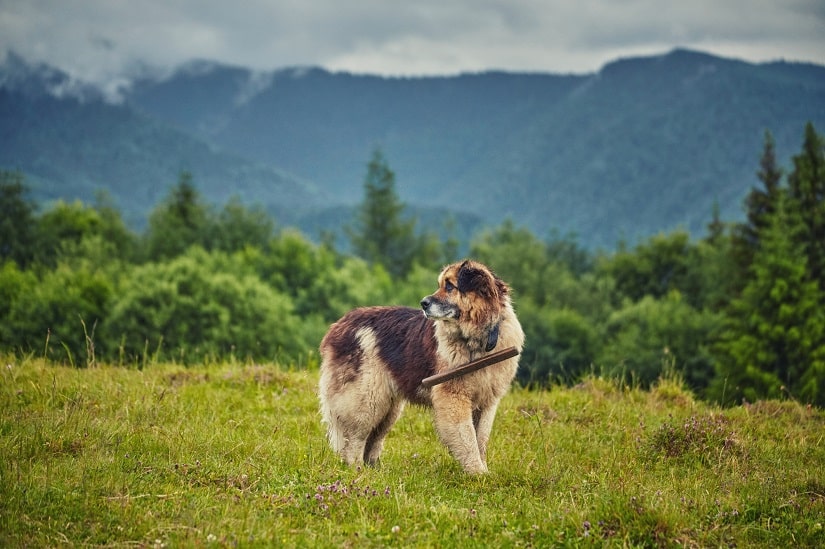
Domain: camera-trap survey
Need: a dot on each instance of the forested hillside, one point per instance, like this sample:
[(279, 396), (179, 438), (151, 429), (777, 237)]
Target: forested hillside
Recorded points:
[(644, 145)]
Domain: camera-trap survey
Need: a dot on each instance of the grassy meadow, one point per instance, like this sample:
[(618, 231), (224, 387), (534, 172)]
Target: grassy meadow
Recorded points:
[(235, 455)]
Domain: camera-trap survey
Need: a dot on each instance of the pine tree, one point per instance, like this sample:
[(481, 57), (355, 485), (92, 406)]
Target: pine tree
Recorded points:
[(381, 234), (716, 227), (775, 339), (760, 204), (16, 220), (178, 222), (714, 266), (806, 188)]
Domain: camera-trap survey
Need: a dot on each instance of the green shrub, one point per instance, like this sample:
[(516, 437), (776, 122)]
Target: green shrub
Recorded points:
[(56, 313), (560, 345), (192, 308), (646, 336)]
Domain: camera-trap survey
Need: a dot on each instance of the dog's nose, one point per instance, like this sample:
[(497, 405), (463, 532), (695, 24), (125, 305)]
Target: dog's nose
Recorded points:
[(425, 303)]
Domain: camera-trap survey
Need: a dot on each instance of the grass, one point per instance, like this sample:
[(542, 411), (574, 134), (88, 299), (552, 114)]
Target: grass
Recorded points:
[(235, 454)]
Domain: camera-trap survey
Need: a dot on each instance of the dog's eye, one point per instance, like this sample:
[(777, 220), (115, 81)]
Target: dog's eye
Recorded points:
[(448, 287)]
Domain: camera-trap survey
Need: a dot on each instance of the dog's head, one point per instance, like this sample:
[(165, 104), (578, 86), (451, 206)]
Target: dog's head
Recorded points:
[(468, 292)]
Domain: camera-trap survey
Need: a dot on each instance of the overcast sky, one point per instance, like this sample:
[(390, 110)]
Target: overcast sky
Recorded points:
[(101, 39)]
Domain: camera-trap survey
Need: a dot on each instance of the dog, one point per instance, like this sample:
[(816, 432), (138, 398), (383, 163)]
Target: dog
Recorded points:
[(374, 358)]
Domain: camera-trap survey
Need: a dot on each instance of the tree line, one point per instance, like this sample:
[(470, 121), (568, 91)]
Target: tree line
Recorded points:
[(738, 313)]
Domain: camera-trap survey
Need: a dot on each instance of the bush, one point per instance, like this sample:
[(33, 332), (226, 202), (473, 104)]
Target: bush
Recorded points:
[(56, 313), (194, 308), (353, 283), (560, 345), (645, 337), (14, 283)]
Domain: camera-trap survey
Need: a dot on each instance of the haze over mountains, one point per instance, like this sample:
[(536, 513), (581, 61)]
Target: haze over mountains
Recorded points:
[(643, 145)]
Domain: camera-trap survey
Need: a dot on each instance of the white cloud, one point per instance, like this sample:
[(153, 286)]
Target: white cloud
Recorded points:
[(100, 39)]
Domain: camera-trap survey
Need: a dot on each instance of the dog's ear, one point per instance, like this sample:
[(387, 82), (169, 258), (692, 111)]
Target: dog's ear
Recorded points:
[(473, 279), (503, 289)]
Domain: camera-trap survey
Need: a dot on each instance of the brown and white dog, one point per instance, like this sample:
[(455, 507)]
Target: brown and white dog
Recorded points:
[(374, 359)]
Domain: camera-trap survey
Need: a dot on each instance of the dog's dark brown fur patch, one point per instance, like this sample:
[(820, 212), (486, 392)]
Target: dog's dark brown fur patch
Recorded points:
[(405, 341)]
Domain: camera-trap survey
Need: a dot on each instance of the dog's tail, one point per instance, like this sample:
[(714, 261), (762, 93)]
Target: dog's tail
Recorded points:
[(334, 434)]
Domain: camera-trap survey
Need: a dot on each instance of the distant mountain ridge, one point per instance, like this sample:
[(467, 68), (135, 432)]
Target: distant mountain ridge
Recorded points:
[(644, 145), (71, 143)]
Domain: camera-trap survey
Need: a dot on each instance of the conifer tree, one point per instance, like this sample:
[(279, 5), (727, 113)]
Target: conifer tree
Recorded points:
[(713, 262), (806, 188), (16, 219), (178, 222), (381, 233), (716, 227), (774, 343), (760, 204)]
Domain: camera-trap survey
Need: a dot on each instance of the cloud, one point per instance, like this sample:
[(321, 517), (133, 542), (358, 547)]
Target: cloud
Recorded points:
[(102, 39)]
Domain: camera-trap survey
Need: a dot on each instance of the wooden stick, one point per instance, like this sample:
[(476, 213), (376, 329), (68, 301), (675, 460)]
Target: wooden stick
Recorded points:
[(471, 366)]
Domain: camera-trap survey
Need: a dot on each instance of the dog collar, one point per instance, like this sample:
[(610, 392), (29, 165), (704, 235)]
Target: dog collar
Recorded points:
[(492, 339)]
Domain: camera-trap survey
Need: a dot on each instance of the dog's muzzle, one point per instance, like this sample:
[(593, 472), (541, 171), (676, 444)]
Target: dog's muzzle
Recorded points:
[(436, 309)]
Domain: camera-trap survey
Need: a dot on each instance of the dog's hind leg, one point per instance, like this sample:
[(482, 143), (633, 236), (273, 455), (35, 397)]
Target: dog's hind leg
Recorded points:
[(375, 441), (344, 438), (347, 431), (363, 427)]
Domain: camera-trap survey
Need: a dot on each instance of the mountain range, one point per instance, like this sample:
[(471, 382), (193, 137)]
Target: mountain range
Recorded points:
[(643, 145)]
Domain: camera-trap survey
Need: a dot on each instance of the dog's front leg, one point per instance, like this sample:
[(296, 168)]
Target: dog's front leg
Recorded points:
[(483, 422), (454, 423)]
